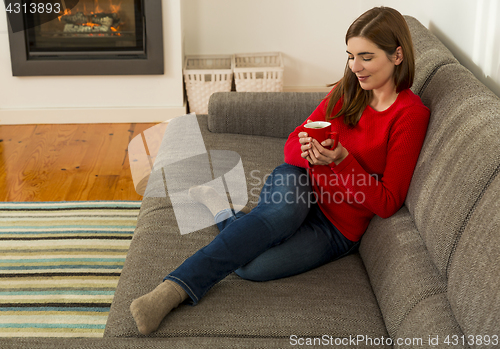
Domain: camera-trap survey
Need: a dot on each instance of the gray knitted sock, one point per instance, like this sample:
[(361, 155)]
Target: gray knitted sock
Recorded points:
[(149, 310)]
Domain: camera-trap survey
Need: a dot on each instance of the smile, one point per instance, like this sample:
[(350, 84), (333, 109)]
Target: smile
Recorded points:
[(363, 78)]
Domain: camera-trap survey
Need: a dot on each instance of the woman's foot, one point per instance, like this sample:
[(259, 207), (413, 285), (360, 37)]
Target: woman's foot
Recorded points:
[(208, 196), (212, 200), (149, 310)]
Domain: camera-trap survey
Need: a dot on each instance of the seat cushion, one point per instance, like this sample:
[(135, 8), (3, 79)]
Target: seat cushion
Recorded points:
[(335, 299)]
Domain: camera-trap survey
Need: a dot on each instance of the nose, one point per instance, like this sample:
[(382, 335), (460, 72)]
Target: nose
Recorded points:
[(356, 65)]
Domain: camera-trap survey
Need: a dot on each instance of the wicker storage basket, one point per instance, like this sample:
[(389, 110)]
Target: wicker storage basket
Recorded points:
[(258, 72), (205, 75)]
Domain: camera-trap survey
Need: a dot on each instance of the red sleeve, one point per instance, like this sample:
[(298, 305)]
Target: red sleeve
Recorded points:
[(292, 145), (385, 196)]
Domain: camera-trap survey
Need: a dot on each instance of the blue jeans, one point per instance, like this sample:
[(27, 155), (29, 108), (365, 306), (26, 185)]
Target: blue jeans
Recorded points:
[(284, 235)]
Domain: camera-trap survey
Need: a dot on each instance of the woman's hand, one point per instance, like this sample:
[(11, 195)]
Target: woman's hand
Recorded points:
[(320, 153)]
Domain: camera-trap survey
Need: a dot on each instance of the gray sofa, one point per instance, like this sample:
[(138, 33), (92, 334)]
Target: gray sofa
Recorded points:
[(430, 270), (429, 276)]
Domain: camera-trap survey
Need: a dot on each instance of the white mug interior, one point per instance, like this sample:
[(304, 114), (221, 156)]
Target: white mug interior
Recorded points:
[(317, 124)]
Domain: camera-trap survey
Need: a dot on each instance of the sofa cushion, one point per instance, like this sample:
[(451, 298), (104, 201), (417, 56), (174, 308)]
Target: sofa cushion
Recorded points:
[(458, 158), (430, 54), (271, 114), (335, 299), (315, 303), (399, 267), (474, 272)]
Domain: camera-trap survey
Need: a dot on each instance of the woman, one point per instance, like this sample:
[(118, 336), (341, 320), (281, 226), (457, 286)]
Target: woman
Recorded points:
[(328, 196)]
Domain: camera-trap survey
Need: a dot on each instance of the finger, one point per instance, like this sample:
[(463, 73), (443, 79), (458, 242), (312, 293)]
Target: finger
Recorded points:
[(321, 154), (317, 149), (324, 147), (327, 143), (306, 148), (308, 121), (313, 159), (305, 155), (317, 155), (305, 140)]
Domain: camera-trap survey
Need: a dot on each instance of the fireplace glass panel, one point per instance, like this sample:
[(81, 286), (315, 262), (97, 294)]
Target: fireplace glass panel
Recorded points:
[(92, 27)]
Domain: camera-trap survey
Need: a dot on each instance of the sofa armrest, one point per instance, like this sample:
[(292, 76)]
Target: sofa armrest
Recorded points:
[(272, 114)]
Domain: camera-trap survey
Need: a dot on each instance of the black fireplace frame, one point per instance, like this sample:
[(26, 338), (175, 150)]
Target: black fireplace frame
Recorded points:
[(152, 62)]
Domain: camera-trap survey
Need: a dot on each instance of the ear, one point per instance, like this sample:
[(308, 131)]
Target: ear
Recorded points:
[(398, 56)]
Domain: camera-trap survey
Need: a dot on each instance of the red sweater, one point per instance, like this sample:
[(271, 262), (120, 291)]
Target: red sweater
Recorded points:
[(374, 178)]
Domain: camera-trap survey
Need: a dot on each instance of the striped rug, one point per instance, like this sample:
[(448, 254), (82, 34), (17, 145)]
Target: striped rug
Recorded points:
[(59, 265)]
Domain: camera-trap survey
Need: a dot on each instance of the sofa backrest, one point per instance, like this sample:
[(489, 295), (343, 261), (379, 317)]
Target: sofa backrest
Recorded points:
[(460, 152), (459, 158), (474, 269), (271, 114), (430, 54)]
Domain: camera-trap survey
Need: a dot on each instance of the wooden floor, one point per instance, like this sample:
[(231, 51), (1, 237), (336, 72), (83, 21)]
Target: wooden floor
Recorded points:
[(83, 162)]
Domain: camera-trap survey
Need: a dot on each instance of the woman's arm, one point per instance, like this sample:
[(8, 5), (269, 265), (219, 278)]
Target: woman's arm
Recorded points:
[(293, 151), (384, 196)]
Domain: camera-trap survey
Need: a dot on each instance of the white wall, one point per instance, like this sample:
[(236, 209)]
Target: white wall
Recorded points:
[(310, 33), (471, 30), (83, 99)]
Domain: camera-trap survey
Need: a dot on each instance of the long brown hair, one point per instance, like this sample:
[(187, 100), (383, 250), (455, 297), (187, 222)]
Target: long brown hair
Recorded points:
[(387, 29)]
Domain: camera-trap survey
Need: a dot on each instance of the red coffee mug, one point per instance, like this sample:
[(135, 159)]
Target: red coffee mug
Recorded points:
[(321, 130)]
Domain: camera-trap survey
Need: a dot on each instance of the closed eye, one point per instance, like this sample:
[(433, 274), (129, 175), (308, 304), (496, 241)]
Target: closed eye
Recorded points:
[(364, 59), (361, 54)]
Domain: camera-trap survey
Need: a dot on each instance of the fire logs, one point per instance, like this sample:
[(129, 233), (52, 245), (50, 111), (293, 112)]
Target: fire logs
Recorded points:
[(93, 23), (84, 28), (79, 18)]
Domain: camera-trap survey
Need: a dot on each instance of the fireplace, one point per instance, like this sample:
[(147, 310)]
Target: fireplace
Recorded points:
[(95, 37)]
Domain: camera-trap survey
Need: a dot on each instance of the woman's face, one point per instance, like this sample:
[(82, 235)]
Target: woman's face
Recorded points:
[(371, 64)]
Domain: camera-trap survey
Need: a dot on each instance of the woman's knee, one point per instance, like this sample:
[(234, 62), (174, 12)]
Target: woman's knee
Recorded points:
[(288, 186), (291, 175)]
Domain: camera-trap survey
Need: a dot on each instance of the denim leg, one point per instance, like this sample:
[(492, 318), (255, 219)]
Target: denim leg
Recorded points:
[(226, 217), (315, 243), (283, 205)]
